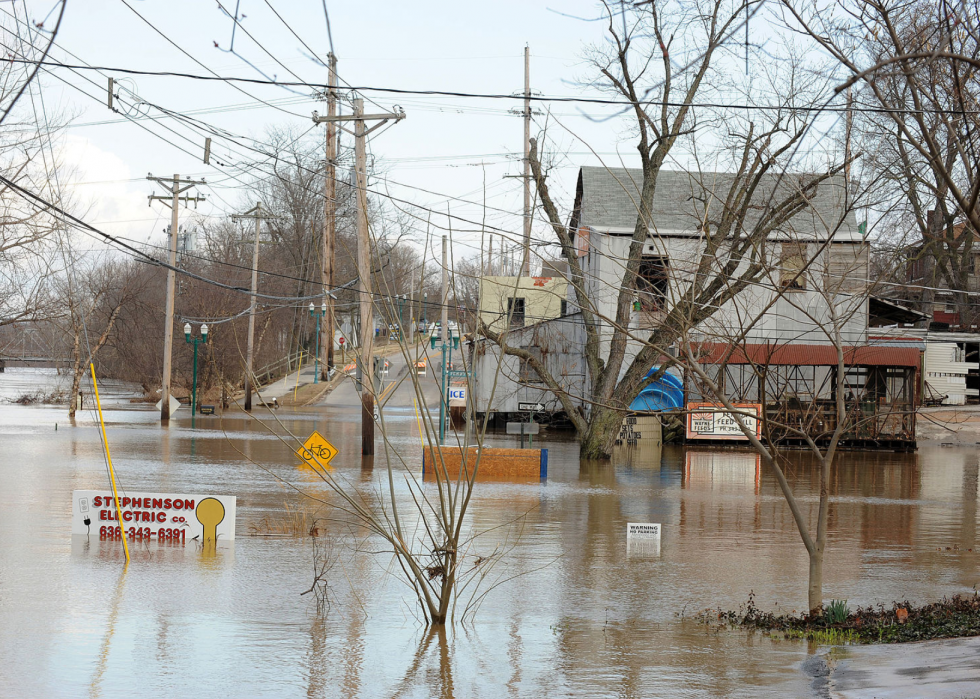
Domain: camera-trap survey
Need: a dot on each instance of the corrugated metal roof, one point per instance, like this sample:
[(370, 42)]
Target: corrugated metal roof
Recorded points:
[(609, 198), (809, 355)]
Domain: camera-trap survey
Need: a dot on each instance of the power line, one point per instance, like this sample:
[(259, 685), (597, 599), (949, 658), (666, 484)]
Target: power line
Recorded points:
[(487, 95), (45, 206), (216, 76)]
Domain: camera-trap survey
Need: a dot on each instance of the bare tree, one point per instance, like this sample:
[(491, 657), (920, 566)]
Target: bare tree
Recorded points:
[(94, 298), (818, 395), (914, 70), (734, 218)]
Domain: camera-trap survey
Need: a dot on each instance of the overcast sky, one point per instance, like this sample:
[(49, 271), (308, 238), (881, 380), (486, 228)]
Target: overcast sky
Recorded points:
[(449, 149)]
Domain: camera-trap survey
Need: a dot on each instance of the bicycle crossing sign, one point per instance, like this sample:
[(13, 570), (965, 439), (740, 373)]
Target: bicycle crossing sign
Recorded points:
[(317, 451)]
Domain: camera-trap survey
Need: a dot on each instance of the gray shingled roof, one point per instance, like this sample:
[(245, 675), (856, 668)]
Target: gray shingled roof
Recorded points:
[(608, 198)]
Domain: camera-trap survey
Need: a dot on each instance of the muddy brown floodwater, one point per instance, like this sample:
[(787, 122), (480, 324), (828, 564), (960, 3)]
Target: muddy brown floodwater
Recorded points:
[(579, 617)]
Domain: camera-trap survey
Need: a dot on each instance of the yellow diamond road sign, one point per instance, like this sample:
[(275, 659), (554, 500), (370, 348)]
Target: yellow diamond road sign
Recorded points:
[(317, 451)]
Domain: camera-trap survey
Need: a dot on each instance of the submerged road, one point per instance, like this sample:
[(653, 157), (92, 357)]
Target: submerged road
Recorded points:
[(397, 394)]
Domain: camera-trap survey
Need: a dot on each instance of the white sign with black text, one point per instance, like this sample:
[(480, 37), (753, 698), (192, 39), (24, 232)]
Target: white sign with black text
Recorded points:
[(642, 539)]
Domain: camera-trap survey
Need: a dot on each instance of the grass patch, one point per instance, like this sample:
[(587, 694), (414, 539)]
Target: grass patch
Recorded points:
[(41, 397), (291, 521), (952, 617)]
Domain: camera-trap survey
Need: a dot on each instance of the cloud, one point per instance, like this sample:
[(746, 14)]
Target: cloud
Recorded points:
[(103, 191)]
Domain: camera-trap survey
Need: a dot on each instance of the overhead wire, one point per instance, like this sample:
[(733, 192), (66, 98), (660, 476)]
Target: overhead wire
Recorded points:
[(499, 96)]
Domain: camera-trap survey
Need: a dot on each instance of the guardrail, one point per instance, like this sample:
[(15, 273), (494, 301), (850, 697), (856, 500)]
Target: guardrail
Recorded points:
[(274, 371)]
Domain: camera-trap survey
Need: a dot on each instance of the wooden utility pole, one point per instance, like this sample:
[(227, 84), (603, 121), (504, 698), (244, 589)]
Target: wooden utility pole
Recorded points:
[(526, 267), (177, 187), (256, 214), (364, 259), (330, 219)]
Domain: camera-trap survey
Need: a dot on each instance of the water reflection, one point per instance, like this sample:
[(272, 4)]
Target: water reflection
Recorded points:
[(577, 614), (96, 686)]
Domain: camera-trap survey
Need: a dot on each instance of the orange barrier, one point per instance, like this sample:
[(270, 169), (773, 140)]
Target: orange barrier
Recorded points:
[(495, 464)]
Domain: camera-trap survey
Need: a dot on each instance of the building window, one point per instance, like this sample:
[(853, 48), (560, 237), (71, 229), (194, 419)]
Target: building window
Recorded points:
[(564, 307), (792, 263), (515, 311), (651, 283)]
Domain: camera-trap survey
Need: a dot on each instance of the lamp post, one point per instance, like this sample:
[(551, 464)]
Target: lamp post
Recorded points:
[(401, 316), (196, 340), (317, 314), (447, 348)]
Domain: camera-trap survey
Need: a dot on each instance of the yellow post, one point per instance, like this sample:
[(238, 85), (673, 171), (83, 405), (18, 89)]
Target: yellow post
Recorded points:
[(298, 369), (108, 457)]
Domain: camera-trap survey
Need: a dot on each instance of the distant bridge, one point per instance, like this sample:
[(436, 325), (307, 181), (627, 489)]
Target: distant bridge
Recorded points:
[(8, 359)]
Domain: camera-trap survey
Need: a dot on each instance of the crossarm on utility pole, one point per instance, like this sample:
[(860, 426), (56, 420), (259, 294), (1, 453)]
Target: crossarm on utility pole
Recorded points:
[(177, 187)]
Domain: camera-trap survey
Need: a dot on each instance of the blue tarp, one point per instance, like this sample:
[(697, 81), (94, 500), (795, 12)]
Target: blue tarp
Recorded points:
[(666, 393)]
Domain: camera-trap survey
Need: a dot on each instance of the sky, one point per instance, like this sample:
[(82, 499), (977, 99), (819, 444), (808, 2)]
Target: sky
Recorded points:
[(449, 151), (454, 154)]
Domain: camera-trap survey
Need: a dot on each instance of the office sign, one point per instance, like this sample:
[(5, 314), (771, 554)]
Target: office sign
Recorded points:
[(456, 396), (162, 517), (713, 421), (530, 407)]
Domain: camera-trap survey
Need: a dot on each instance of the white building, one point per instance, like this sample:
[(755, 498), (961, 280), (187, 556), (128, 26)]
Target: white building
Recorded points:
[(814, 281)]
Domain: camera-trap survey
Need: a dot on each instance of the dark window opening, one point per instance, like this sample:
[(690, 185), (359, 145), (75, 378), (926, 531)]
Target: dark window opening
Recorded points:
[(515, 311), (651, 283), (564, 307)]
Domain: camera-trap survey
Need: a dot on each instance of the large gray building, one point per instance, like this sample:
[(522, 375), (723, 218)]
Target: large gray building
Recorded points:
[(813, 287)]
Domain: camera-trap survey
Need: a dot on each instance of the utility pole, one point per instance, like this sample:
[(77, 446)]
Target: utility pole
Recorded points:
[(330, 217), (411, 308), (363, 258), (443, 403), (527, 162), (256, 214), (177, 187)]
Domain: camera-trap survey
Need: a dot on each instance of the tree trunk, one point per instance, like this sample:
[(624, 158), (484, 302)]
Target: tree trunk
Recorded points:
[(76, 377), (815, 589), (604, 425)]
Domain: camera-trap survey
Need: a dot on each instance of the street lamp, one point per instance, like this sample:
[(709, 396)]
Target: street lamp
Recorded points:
[(196, 341), (450, 342), (317, 315), (401, 319)]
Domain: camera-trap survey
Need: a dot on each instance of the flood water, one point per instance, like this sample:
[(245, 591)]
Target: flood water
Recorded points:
[(573, 615)]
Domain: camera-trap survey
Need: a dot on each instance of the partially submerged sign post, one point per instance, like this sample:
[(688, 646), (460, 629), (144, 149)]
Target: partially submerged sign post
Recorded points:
[(161, 517), (642, 538), (174, 404), (523, 428), (317, 451), (713, 421)]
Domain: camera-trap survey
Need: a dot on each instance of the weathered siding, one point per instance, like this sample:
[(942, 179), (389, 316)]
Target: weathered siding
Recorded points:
[(559, 343)]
